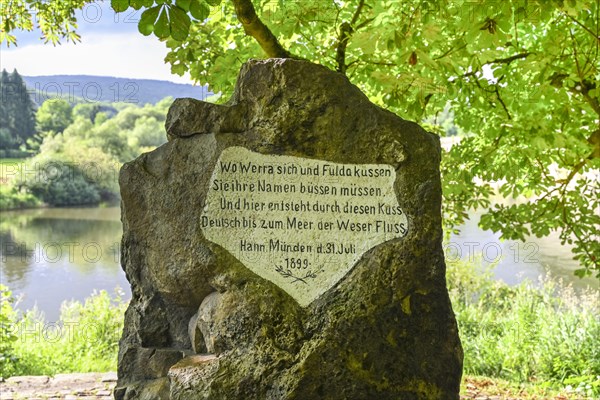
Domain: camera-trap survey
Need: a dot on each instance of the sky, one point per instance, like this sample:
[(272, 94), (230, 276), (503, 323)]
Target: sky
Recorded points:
[(110, 46)]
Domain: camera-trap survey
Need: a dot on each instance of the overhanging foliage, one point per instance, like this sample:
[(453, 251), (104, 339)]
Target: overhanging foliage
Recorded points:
[(521, 77)]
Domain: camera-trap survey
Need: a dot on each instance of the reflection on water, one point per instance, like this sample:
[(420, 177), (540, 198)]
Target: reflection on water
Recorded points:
[(517, 261), (56, 254)]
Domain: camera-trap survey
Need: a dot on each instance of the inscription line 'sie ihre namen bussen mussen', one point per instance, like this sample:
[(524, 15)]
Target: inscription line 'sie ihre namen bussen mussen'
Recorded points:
[(291, 220)]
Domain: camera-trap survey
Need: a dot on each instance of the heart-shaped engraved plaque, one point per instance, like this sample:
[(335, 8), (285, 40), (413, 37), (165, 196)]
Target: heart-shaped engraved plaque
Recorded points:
[(300, 223)]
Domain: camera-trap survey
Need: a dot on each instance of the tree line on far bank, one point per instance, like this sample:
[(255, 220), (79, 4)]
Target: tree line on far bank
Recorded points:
[(17, 114), (75, 151), (23, 124)]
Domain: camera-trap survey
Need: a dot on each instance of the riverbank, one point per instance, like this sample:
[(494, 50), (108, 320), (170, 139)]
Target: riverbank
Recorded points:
[(12, 199), (56, 182)]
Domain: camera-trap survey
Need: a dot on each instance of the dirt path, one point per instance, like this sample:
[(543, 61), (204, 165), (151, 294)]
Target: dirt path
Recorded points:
[(99, 386), (480, 388), (90, 386)]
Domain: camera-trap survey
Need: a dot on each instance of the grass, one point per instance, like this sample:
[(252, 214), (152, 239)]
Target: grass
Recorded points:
[(543, 337), (85, 339)]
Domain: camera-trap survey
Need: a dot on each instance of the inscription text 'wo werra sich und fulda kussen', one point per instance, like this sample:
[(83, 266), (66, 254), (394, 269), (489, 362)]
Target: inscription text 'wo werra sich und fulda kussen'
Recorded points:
[(300, 223)]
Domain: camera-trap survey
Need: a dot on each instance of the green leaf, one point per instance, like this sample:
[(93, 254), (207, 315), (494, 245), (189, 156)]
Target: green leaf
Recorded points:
[(190, 55), (137, 4), (581, 272), (119, 5), (162, 28), (397, 40), (146, 24), (199, 10), (505, 24), (178, 69), (432, 32), (213, 3), (180, 23), (183, 4), (390, 45)]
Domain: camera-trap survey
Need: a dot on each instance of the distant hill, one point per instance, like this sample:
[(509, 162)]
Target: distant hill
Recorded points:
[(105, 89)]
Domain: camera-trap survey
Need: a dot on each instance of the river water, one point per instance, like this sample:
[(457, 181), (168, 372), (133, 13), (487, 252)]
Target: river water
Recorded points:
[(56, 254)]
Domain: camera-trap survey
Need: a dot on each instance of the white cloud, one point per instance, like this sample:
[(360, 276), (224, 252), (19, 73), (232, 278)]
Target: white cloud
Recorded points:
[(127, 55)]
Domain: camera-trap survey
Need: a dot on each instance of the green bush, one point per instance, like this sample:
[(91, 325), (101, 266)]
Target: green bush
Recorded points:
[(85, 339), (7, 336), (547, 335), (11, 198), (66, 186), (91, 148)]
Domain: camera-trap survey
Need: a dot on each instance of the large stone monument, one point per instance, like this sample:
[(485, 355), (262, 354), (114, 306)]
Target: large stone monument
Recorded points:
[(287, 245)]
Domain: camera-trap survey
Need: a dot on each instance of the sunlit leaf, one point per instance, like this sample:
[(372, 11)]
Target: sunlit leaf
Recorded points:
[(183, 4), (178, 69), (199, 10), (119, 5), (162, 28), (147, 20), (180, 23), (137, 4)]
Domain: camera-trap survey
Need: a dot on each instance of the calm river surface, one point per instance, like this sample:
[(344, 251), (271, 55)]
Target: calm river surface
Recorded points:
[(56, 254)]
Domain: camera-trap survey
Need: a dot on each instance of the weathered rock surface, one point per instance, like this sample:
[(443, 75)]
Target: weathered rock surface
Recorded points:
[(200, 325)]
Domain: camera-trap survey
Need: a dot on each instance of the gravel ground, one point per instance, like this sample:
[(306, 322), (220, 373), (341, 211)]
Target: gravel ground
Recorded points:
[(88, 386), (99, 386)]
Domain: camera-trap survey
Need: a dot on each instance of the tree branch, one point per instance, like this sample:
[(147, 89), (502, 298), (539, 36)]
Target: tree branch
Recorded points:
[(382, 63), (346, 31), (588, 30), (572, 228), (584, 89), (565, 182), (340, 54), (510, 59), (451, 50), (253, 26), (364, 23), (506, 60), (502, 102)]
